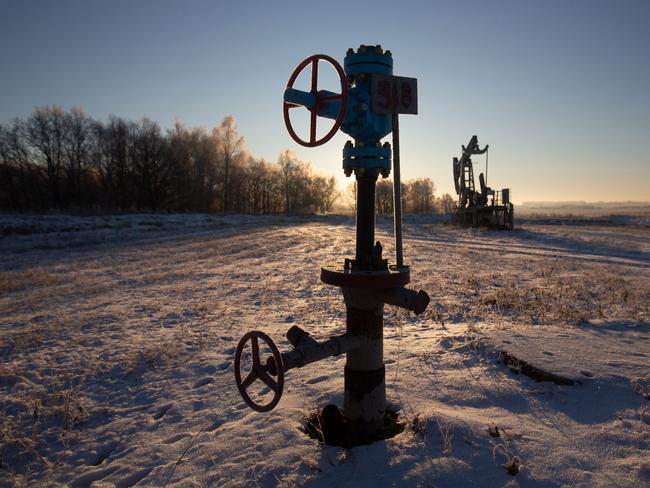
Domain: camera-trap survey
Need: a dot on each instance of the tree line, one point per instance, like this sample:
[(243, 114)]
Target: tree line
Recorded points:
[(418, 197), (66, 160)]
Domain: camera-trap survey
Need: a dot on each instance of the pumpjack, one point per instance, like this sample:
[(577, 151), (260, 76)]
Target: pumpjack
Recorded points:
[(483, 207)]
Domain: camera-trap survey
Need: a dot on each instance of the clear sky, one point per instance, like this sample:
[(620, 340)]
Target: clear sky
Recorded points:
[(559, 89)]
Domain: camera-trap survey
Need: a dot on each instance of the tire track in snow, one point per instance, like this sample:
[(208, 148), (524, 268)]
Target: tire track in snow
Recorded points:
[(531, 250), (500, 246)]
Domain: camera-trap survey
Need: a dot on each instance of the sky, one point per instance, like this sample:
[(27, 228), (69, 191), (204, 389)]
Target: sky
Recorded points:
[(560, 90)]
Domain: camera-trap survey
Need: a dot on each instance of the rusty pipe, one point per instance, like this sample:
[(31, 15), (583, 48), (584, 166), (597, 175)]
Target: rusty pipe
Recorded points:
[(308, 350), (415, 301)]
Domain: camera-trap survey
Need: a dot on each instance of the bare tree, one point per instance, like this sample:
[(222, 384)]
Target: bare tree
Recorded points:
[(76, 147), (180, 156), (192, 154), (325, 192), (20, 186), (420, 195), (352, 194), (256, 177), (45, 133), (116, 140), (272, 190), (384, 196), (447, 204), (288, 163), (405, 192), (229, 147), (149, 164)]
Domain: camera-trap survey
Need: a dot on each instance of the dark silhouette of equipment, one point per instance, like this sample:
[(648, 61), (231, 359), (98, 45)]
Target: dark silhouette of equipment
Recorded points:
[(485, 206), (367, 109)]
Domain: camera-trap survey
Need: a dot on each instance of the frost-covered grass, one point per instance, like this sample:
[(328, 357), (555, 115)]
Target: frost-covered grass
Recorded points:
[(117, 336)]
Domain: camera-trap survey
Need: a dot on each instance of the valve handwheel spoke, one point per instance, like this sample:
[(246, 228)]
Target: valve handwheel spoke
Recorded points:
[(314, 76), (270, 382), (250, 379), (314, 109), (313, 61), (259, 370), (312, 126), (256, 353)]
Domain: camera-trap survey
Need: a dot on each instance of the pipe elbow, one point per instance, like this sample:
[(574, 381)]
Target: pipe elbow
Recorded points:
[(415, 301)]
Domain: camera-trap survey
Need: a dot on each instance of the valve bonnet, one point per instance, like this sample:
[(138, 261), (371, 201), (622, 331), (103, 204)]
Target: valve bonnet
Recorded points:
[(368, 59)]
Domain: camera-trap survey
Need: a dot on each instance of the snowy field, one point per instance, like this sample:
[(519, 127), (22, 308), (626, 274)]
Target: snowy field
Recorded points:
[(117, 337)]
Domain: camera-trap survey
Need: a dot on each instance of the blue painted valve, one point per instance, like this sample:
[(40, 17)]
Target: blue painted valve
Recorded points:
[(351, 109), (367, 109)]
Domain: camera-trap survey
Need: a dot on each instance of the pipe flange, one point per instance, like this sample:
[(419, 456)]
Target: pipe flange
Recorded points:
[(338, 275)]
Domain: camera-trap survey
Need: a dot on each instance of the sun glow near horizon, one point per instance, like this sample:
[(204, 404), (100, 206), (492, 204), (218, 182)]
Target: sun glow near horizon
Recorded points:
[(556, 90)]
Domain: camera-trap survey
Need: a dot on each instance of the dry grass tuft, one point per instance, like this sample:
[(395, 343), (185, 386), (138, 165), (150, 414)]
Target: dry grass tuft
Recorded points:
[(12, 281)]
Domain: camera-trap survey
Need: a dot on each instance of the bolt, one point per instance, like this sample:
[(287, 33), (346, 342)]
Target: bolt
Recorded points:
[(388, 53), (360, 144), (362, 48), (378, 49), (349, 51), (385, 173), (387, 144), (348, 171), (348, 143), (378, 144)]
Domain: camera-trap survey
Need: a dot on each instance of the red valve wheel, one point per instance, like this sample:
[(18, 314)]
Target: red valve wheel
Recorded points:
[(343, 96), (263, 372)]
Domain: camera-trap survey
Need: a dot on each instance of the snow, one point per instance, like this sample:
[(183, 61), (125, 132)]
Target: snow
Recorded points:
[(117, 336)]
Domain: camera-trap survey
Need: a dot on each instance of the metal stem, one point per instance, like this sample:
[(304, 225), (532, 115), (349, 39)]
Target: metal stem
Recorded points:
[(486, 166), (309, 350), (364, 377), (365, 217), (397, 194)]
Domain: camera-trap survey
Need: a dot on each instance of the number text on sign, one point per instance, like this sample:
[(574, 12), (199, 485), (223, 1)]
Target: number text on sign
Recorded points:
[(394, 95)]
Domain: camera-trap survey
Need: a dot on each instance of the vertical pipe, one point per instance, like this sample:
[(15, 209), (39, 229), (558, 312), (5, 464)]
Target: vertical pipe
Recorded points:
[(366, 180), (364, 380), (397, 194), (486, 165)]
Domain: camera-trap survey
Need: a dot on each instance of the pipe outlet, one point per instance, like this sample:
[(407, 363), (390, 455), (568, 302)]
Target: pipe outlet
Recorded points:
[(415, 301)]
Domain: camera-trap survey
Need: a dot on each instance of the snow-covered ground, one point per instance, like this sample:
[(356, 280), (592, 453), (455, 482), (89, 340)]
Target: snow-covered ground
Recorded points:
[(117, 337)]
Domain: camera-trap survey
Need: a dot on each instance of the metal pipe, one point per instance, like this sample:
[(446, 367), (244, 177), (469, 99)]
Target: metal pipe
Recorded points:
[(397, 194), (308, 350), (486, 165), (364, 381), (366, 180), (415, 301), (299, 97)]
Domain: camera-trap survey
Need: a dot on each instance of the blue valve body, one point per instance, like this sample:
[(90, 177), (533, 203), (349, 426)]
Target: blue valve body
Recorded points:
[(360, 122), (366, 127)]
